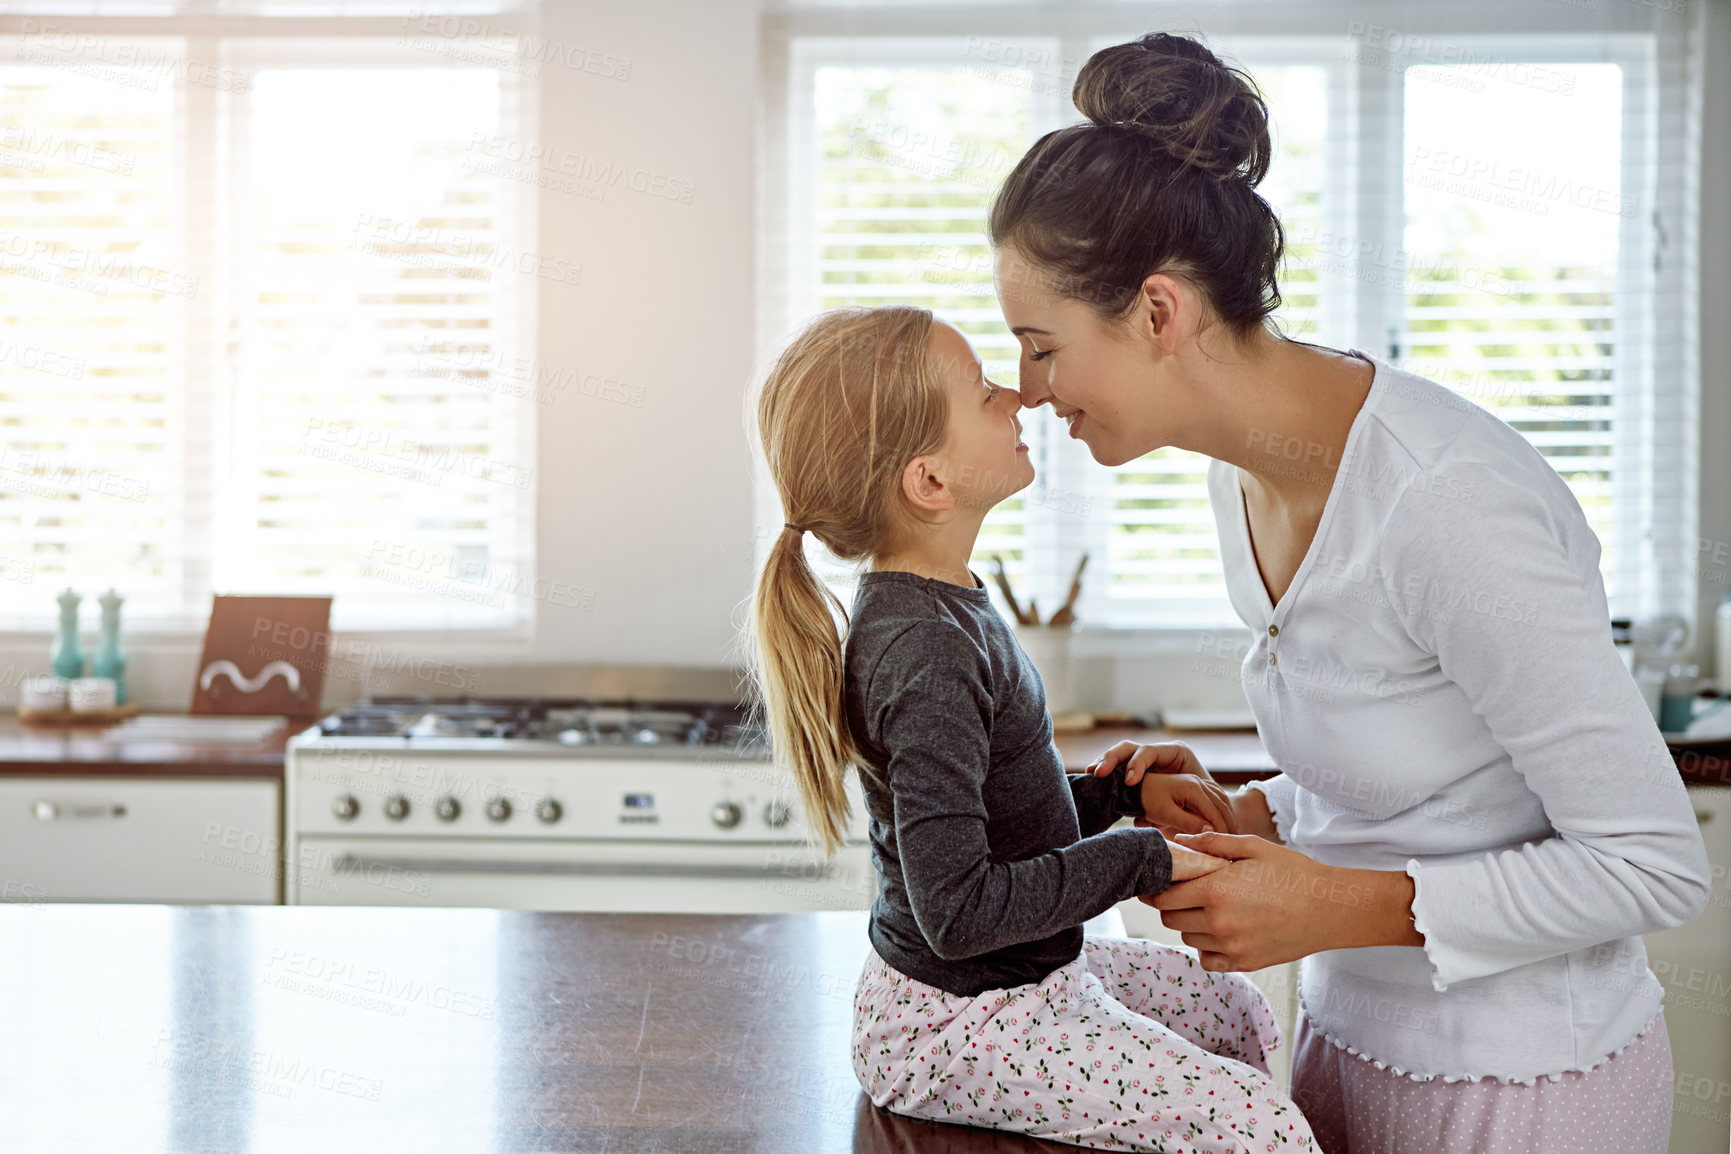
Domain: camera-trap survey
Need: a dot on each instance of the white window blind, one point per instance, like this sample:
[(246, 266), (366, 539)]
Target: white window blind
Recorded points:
[(92, 297), (902, 161), (1535, 287), (1518, 299), (376, 451), (264, 335)]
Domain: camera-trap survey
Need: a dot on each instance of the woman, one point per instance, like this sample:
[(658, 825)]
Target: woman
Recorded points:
[(1487, 814)]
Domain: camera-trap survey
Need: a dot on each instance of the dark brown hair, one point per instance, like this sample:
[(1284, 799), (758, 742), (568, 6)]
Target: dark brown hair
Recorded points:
[(1162, 178)]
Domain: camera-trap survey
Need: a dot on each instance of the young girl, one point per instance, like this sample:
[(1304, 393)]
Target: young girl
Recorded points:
[(982, 1001)]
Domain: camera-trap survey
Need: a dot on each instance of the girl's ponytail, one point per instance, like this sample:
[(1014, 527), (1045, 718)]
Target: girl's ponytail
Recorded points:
[(849, 402), (800, 680)]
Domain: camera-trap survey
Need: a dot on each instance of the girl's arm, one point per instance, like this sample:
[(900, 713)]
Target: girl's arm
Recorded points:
[(929, 707), (1174, 769)]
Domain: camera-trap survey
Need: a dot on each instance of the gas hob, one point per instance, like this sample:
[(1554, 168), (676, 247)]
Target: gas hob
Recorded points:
[(612, 726)]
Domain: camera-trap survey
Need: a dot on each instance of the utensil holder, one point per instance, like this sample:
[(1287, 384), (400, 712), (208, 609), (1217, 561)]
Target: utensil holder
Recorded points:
[(1049, 648)]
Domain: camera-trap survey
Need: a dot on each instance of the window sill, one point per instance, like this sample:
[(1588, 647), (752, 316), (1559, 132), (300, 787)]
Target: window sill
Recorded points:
[(1150, 640)]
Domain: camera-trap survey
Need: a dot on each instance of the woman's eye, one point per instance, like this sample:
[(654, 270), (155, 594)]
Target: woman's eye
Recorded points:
[(1040, 356)]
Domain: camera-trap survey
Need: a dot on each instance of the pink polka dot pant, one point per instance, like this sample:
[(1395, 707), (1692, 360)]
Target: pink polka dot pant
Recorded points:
[(1131, 1046)]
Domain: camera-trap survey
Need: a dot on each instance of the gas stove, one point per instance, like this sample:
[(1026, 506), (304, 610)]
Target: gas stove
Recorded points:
[(548, 724), (557, 803)]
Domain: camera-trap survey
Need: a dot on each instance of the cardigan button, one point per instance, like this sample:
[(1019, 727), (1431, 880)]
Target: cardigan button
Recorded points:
[(1272, 659), (1274, 631)]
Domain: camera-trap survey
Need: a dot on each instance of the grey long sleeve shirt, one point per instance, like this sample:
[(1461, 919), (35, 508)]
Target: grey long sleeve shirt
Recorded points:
[(989, 856)]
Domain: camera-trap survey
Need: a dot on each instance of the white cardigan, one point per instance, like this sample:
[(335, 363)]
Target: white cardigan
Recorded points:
[(1440, 691)]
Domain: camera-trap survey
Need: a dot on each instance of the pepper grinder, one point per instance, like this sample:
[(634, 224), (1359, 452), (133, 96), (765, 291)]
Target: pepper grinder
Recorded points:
[(67, 658), (110, 659)]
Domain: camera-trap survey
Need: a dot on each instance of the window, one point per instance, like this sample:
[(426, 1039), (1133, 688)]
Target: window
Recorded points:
[(261, 329), (1474, 205), (1515, 207), (904, 161)]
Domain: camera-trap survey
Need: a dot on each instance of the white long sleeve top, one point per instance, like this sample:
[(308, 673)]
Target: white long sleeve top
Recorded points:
[(1440, 691)]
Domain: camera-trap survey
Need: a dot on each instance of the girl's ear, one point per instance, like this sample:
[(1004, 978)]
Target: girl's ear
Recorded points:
[(925, 490)]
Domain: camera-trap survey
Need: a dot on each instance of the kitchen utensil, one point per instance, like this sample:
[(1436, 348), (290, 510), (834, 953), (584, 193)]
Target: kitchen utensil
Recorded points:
[(1067, 612), (1004, 587)]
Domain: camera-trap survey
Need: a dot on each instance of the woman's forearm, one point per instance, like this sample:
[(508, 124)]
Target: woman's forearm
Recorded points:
[(1250, 812), (1379, 902), (1384, 915)]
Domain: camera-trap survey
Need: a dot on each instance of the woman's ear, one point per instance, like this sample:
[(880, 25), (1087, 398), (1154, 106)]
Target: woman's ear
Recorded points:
[(1161, 307)]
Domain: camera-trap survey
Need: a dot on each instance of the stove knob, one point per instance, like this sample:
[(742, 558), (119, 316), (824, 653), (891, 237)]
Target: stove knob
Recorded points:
[(777, 813), (548, 810), (396, 807), (725, 814), (346, 807), (498, 809), (446, 808)]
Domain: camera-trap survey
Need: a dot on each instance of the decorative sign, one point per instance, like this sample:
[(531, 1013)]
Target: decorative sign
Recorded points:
[(264, 655)]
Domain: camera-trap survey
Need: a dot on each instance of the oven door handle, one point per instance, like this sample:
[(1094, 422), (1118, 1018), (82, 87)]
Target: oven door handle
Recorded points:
[(811, 871), (45, 810)]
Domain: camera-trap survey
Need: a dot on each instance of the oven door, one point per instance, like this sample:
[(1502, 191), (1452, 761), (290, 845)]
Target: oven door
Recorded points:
[(595, 875)]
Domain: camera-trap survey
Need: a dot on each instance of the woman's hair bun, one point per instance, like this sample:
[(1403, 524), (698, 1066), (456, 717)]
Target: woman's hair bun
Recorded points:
[(1178, 94)]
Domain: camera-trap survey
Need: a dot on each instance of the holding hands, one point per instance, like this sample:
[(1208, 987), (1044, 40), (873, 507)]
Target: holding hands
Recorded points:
[(1244, 900)]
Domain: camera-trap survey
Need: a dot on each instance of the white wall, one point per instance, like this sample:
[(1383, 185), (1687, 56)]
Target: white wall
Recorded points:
[(651, 507)]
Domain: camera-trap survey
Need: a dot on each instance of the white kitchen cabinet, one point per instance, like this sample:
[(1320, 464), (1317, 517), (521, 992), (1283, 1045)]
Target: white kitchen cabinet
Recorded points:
[(140, 839), (1694, 965)]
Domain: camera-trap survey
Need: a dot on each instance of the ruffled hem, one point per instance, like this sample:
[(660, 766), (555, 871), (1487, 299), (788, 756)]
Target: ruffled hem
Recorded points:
[(1282, 829), (1421, 924), (1557, 1076)]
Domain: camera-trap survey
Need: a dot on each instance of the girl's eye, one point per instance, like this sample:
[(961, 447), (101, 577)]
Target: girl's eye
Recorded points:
[(991, 392)]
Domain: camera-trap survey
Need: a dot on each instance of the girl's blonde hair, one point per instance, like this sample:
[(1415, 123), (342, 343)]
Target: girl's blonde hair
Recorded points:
[(846, 406)]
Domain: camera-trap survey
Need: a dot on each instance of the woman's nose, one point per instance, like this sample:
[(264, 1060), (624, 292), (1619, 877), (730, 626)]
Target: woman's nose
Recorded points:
[(1028, 391)]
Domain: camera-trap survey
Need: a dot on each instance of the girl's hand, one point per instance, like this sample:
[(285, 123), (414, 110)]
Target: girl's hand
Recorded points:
[(1178, 803), (1178, 795), (1160, 757), (1188, 863)]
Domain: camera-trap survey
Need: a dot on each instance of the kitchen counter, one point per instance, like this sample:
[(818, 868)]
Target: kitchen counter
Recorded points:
[(228, 1029), (1231, 756), (89, 751)]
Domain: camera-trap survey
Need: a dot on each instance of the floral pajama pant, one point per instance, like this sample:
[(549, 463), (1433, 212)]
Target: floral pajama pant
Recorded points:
[(1130, 1046)]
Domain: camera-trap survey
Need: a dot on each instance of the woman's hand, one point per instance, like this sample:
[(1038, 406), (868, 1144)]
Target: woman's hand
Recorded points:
[(1272, 904), (1178, 795)]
